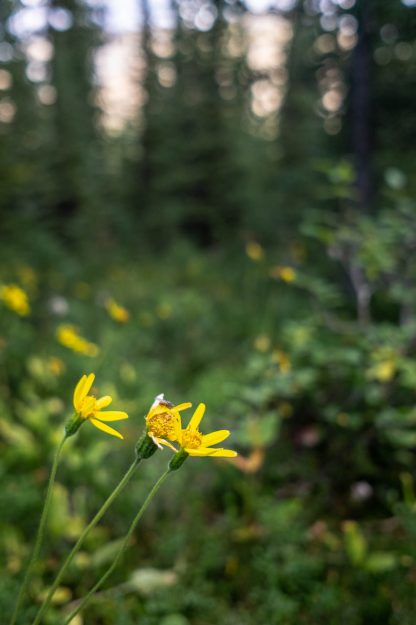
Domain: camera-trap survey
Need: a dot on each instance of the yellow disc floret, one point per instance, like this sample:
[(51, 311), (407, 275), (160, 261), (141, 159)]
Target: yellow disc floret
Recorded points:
[(162, 424), (88, 406), (191, 439)]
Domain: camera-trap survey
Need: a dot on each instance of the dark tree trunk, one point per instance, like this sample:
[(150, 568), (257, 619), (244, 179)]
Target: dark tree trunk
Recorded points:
[(360, 106)]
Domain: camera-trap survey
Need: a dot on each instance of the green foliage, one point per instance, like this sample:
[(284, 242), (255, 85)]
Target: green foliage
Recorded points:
[(309, 521)]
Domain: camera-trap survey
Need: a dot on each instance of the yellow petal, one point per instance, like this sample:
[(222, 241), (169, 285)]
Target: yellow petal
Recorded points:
[(197, 417), (155, 410), (87, 386), (105, 428), (215, 437), (184, 406), (78, 392), (178, 428), (103, 402), (211, 452), (111, 415)]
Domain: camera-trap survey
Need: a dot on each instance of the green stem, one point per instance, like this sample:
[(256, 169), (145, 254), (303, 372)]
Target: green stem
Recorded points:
[(82, 537), (40, 533), (122, 549)]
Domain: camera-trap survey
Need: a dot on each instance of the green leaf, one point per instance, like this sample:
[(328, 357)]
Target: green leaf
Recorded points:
[(381, 561)]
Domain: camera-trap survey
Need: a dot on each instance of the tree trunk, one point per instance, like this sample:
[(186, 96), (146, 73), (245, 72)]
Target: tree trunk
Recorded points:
[(360, 106)]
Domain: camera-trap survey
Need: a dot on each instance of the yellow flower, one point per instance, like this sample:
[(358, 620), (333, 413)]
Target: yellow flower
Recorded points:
[(280, 272), (56, 365), (89, 408), (164, 310), (69, 337), (283, 360), (15, 298), (262, 343), (117, 312), (385, 364), (196, 444), (254, 251), (383, 371), (163, 421)]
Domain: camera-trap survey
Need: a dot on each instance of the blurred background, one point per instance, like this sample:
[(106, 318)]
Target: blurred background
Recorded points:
[(213, 199)]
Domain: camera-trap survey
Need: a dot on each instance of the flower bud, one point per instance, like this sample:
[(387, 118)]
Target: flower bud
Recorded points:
[(177, 460), (73, 424), (145, 447)]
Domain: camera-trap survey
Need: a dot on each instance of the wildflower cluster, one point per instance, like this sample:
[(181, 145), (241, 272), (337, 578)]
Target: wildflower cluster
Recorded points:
[(285, 273), (163, 422), (163, 427), (68, 336)]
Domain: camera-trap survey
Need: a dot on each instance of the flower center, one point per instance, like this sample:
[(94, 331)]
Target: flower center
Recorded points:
[(191, 439), (87, 407), (162, 425)]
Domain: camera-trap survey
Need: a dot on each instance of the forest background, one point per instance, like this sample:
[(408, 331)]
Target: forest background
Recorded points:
[(215, 200)]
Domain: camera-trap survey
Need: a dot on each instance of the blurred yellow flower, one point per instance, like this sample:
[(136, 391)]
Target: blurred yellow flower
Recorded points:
[(117, 312), (262, 343), (89, 408), (196, 444), (15, 298), (163, 421), (282, 359), (299, 336), (254, 251), (283, 272), (69, 337), (383, 371), (164, 310), (60, 596), (56, 365), (385, 364)]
